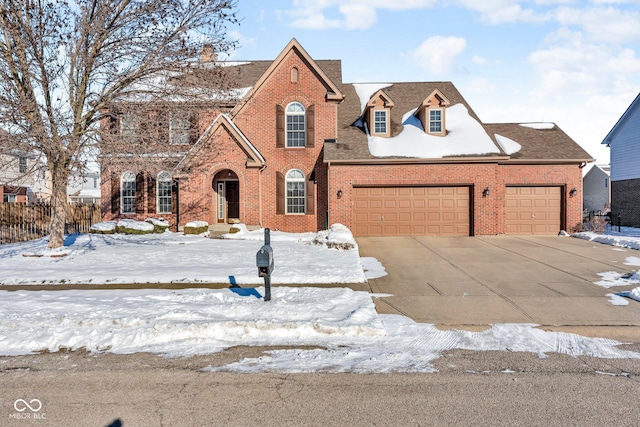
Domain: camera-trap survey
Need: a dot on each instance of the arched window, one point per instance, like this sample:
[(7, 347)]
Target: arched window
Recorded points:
[(164, 193), (128, 193), (295, 191), (295, 125), (294, 75)]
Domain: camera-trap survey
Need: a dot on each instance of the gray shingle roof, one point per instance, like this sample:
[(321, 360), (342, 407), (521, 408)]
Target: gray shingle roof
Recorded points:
[(352, 144)]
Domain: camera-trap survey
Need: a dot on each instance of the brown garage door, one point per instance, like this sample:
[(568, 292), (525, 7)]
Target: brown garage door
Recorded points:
[(533, 210), (404, 211)]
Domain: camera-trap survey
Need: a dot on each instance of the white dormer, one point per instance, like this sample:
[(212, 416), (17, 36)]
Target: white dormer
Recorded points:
[(432, 113)]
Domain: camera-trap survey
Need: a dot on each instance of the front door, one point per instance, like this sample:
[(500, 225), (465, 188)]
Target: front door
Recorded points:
[(232, 191)]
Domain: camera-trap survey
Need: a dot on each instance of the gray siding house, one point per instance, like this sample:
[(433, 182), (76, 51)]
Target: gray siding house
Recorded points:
[(596, 189), (624, 143)]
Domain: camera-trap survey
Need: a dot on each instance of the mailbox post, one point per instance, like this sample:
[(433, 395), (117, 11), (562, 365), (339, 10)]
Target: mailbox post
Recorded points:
[(264, 262)]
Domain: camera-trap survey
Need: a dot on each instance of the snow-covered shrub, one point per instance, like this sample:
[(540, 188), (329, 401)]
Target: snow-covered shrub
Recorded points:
[(106, 227), (130, 226), (196, 227), (337, 237), (159, 225)]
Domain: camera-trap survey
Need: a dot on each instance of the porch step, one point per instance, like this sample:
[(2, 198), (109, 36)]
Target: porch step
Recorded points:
[(216, 230)]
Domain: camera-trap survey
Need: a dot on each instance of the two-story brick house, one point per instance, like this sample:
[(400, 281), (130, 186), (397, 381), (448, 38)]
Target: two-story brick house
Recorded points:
[(299, 150)]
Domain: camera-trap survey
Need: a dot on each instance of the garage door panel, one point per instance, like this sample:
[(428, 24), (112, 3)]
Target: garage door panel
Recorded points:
[(411, 211), (533, 210)]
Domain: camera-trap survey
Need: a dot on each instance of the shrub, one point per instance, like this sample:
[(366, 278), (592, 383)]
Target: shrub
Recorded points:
[(159, 225), (196, 227)]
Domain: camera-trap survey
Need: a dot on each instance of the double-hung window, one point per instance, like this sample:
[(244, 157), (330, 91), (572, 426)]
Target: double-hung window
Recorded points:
[(380, 121), (435, 121), (295, 192), (179, 127), (296, 127), (164, 193), (128, 193)]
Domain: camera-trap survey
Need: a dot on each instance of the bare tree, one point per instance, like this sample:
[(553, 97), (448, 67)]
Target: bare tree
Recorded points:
[(65, 64)]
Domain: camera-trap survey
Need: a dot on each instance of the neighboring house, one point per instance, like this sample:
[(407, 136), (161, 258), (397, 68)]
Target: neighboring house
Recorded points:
[(84, 189), (596, 189), (301, 150), (624, 143), (23, 178)]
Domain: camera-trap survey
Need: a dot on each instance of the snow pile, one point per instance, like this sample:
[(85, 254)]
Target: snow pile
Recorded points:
[(106, 226), (620, 240), (509, 146), (539, 125), (338, 237), (342, 325)]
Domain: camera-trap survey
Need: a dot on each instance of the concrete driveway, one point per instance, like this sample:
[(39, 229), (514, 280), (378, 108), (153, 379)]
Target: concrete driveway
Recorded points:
[(467, 281)]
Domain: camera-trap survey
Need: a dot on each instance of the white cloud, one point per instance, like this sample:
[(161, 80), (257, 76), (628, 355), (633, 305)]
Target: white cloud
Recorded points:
[(478, 86), (358, 17), (478, 60), (502, 11), (438, 54), (606, 24), (355, 14)]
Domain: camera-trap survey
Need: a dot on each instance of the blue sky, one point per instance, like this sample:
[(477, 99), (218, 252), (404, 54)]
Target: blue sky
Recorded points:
[(575, 63)]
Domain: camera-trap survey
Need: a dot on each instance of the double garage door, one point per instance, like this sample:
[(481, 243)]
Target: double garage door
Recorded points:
[(406, 211), (446, 211)]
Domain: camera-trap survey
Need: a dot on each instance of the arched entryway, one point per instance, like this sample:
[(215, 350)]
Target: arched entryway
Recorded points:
[(226, 198)]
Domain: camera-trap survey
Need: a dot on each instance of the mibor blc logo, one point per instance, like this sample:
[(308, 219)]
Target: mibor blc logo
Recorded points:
[(28, 409)]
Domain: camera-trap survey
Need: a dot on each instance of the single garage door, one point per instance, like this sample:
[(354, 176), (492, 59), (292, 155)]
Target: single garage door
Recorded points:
[(405, 211), (533, 210)]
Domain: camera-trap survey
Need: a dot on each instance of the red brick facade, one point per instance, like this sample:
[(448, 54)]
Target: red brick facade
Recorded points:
[(245, 148)]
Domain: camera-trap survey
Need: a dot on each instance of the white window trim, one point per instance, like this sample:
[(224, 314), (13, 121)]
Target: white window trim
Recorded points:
[(298, 179), (126, 178), (441, 121), (288, 114), (163, 176), (184, 117), (386, 121)]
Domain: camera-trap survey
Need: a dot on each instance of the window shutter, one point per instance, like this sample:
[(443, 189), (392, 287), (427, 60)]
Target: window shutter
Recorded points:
[(310, 194), (280, 133), (194, 123), (140, 193), (151, 193), (163, 125), (280, 194), (114, 122), (310, 127), (115, 194)]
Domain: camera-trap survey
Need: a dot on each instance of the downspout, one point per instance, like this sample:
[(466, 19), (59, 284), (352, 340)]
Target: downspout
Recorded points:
[(328, 192), (177, 204), (260, 194)]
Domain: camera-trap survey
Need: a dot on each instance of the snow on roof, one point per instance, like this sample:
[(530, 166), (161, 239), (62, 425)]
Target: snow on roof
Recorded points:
[(465, 136), (509, 146), (539, 125), (366, 90)]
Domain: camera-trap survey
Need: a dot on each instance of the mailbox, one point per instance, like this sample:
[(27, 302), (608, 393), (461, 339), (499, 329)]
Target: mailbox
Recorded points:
[(264, 261)]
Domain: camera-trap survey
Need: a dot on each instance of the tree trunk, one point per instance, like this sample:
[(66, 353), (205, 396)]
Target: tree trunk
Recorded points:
[(58, 208)]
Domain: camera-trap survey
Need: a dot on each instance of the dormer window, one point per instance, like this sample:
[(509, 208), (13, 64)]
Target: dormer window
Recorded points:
[(380, 121), (432, 113), (377, 114), (435, 121)]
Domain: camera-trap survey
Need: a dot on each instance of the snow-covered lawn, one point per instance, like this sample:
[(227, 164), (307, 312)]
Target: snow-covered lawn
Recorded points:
[(306, 258), (331, 329)]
